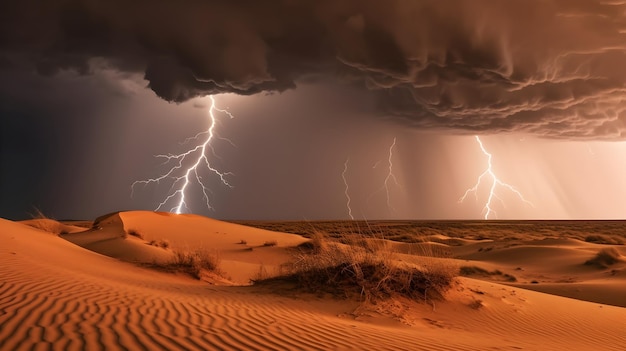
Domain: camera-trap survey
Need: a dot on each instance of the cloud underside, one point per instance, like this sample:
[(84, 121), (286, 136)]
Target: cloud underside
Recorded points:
[(554, 68)]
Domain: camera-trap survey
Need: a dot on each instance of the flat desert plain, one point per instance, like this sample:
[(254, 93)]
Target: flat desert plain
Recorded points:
[(158, 281)]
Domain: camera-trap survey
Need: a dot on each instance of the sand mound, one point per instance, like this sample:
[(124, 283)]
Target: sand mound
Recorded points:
[(52, 226), (156, 238), (109, 238), (244, 252)]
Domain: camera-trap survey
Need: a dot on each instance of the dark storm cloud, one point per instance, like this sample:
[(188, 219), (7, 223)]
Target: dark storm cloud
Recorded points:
[(547, 67)]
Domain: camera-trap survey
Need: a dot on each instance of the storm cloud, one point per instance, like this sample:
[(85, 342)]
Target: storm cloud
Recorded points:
[(552, 68)]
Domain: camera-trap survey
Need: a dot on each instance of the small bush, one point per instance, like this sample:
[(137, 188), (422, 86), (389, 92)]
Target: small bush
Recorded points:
[(363, 269), (135, 233), (243, 242), (261, 274), (605, 258), (318, 243), (475, 271), (49, 225), (604, 239), (472, 270), (270, 243), (164, 244), (195, 262)]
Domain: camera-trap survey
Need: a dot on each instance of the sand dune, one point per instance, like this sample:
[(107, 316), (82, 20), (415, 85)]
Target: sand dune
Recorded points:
[(555, 266), (56, 294)]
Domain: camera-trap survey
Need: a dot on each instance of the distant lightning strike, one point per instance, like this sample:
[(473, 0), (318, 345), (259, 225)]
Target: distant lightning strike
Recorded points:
[(388, 178), (346, 191), (390, 174), (190, 174), (495, 182)]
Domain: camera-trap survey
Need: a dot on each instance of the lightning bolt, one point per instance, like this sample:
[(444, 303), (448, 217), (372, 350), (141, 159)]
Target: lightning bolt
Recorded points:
[(390, 176), (346, 191), (183, 175), (495, 182)]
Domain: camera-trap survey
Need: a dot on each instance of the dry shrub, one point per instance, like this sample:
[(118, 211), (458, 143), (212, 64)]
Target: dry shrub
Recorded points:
[(363, 268), (194, 263), (261, 274), (317, 243), (270, 243), (164, 244), (135, 233), (49, 225), (604, 239), (605, 258), (475, 271), (38, 214)]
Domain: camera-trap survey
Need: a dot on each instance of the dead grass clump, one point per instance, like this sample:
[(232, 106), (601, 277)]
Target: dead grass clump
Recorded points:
[(475, 271), (376, 280), (135, 233), (317, 243), (604, 239), (194, 263), (200, 264), (363, 270), (476, 304), (472, 270), (164, 244), (605, 258), (48, 225)]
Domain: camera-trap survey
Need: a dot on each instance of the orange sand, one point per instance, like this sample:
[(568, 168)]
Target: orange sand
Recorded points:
[(71, 294)]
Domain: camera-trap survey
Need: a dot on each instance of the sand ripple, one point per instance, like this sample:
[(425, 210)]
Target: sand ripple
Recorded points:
[(56, 296)]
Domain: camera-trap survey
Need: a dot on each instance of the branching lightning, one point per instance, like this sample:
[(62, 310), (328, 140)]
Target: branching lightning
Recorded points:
[(346, 191), (495, 182), (183, 175)]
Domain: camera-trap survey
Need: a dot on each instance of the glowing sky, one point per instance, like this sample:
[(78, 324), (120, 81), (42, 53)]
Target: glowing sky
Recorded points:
[(91, 90)]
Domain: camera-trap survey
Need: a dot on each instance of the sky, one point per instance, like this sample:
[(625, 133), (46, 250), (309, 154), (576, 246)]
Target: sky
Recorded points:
[(334, 109)]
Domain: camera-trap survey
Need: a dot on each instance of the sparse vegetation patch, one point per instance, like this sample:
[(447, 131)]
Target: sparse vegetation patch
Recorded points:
[(194, 263), (604, 239), (270, 243), (135, 233), (605, 232), (49, 225), (475, 271), (164, 244), (605, 258), (369, 272)]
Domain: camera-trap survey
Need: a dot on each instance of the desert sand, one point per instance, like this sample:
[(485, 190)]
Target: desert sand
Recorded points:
[(75, 288)]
